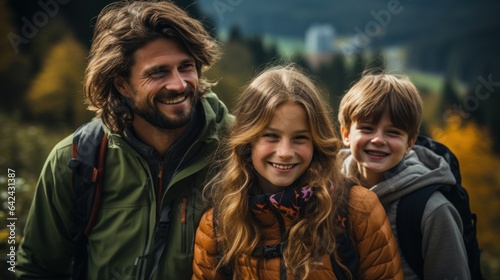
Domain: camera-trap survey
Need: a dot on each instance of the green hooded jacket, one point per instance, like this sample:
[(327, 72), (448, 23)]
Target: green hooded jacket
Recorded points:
[(125, 226)]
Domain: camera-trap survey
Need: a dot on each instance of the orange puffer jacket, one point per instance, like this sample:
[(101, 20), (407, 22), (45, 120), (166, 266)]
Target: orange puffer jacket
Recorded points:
[(376, 246)]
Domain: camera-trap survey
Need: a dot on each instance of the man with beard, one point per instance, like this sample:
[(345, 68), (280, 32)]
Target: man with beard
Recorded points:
[(144, 81)]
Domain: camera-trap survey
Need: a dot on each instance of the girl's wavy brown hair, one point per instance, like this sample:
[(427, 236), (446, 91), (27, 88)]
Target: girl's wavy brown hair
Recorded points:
[(314, 235), (122, 28)]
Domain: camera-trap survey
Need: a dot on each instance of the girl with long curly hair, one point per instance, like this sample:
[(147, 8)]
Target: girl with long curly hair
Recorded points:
[(280, 199)]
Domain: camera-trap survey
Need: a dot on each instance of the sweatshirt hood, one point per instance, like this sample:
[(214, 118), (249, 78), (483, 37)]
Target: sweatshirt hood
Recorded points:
[(421, 167)]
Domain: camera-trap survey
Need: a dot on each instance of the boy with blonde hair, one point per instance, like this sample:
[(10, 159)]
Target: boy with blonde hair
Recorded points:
[(380, 117)]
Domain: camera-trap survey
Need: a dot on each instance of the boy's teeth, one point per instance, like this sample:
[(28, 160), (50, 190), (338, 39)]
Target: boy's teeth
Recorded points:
[(376, 154), (281, 166)]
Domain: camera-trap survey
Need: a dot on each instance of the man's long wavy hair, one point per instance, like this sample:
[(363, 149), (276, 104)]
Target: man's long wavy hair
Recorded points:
[(122, 28), (237, 231)]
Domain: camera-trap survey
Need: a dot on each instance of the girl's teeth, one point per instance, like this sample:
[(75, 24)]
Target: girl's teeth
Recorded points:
[(280, 166)]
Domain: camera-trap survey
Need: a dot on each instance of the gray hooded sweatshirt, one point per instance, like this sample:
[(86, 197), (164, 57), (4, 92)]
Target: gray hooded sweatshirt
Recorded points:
[(443, 249)]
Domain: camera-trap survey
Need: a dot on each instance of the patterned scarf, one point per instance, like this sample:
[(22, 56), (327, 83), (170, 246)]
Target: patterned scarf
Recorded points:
[(289, 202)]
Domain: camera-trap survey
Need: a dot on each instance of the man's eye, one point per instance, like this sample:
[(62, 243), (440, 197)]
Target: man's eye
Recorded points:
[(187, 66), (157, 75)]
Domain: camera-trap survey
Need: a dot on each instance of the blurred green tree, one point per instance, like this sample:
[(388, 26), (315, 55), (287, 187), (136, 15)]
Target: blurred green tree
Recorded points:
[(376, 62), (358, 66), (261, 55), (15, 66), (334, 77), (233, 72), (449, 99)]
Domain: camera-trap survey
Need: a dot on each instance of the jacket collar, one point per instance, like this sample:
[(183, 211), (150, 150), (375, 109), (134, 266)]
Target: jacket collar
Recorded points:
[(179, 148), (213, 115)]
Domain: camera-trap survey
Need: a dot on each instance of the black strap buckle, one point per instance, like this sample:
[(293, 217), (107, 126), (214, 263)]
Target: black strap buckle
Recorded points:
[(269, 252)]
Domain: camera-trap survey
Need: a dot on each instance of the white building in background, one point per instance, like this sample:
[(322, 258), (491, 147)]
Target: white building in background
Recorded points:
[(319, 44), (320, 39)]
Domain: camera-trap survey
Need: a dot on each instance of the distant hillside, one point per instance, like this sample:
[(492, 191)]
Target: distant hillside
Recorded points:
[(408, 19), (457, 38)]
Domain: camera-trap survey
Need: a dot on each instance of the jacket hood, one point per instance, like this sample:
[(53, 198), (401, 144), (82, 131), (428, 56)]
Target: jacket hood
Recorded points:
[(420, 168), (216, 116)]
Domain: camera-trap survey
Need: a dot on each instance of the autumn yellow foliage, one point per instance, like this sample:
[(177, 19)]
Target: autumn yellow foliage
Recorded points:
[(480, 176), (56, 93)]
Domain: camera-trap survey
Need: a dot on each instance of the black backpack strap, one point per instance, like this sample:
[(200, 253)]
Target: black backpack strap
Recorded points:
[(408, 226), (348, 255), (458, 196), (346, 248), (160, 237), (225, 270), (87, 162), (460, 199)]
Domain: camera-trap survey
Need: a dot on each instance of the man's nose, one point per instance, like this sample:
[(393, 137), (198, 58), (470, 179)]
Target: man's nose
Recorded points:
[(176, 82)]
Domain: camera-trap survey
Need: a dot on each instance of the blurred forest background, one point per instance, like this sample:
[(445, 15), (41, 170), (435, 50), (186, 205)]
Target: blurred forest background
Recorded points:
[(449, 49)]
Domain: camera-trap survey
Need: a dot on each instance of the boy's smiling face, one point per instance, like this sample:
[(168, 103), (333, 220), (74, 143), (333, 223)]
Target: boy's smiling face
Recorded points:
[(377, 147)]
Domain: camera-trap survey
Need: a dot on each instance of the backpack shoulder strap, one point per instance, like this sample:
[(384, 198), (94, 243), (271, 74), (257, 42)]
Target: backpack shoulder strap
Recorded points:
[(408, 226), (87, 163), (459, 197), (346, 248), (160, 238), (226, 270), (348, 255)]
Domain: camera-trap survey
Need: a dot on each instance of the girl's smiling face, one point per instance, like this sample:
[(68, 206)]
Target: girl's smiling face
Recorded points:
[(284, 149)]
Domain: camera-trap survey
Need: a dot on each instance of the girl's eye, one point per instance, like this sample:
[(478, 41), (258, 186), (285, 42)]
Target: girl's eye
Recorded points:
[(270, 135), (301, 138)]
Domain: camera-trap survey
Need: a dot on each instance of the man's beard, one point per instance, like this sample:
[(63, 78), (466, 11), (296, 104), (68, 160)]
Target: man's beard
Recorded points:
[(153, 115)]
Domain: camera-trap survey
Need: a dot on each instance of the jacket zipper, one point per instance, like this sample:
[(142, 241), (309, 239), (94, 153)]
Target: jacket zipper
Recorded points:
[(145, 255), (183, 224), (191, 215), (160, 189), (159, 199), (283, 240)]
